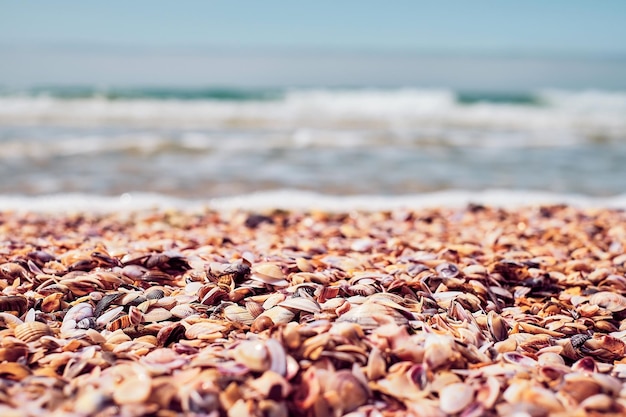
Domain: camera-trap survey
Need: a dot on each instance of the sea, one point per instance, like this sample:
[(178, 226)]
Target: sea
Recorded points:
[(374, 147)]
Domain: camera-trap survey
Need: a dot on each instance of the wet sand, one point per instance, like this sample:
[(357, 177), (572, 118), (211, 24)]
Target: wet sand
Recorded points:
[(471, 311)]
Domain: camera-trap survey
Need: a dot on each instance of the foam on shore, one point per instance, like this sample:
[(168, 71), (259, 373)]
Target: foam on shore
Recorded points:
[(298, 200)]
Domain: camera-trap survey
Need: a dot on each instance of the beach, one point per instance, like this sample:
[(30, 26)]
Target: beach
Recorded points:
[(466, 310)]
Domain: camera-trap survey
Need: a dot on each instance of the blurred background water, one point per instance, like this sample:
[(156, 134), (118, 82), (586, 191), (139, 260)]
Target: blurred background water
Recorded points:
[(242, 106)]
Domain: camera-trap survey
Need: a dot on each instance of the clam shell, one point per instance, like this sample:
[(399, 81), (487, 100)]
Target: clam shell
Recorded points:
[(31, 331)]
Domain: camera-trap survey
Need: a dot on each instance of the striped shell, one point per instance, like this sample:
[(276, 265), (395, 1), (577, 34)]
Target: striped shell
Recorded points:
[(31, 331)]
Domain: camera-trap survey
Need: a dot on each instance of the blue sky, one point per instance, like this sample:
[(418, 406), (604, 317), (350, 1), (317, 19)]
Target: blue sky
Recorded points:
[(89, 41)]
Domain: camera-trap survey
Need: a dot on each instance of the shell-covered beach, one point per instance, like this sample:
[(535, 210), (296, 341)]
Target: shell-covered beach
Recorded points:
[(470, 311)]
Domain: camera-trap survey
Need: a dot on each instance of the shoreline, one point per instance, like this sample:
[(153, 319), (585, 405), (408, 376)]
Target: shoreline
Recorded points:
[(300, 200)]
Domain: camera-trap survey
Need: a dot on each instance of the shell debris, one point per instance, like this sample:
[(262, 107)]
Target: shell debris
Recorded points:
[(452, 311)]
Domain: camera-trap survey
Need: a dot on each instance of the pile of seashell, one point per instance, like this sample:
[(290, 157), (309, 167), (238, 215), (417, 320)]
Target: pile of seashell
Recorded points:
[(473, 312)]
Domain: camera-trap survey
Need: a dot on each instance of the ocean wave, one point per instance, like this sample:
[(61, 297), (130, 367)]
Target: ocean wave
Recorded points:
[(308, 117), (299, 200)]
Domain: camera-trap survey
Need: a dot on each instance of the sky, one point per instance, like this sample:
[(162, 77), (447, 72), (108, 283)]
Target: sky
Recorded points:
[(537, 43)]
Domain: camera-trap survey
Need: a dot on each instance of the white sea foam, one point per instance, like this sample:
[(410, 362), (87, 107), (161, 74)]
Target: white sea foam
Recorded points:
[(298, 200), (560, 117)]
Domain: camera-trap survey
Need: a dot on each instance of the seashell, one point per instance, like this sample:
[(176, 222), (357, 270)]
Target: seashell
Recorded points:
[(204, 330), (254, 308), (274, 299), (277, 357), (135, 385), (550, 358), (183, 311), (261, 323), (362, 245), (438, 350), (226, 273), (213, 296), (78, 312), (135, 315), (273, 385), (156, 314), (119, 323), (155, 294), (253, 354), (238, 314), (447, 270), (597, 402), (12, 271), (455, 397), (305, 265), (170, 333), (15, 303), (611, 301), (497, 327), (585, 365), (349, 391), (579, 387), (302, 304), (269, 273), (9, 320), (309, 277), (489, 392), (14, 371), (31, 331), (52, 302), (89, 401), (376, 365), (109, 316), (518, 359), (278, 315), (371, 315)]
